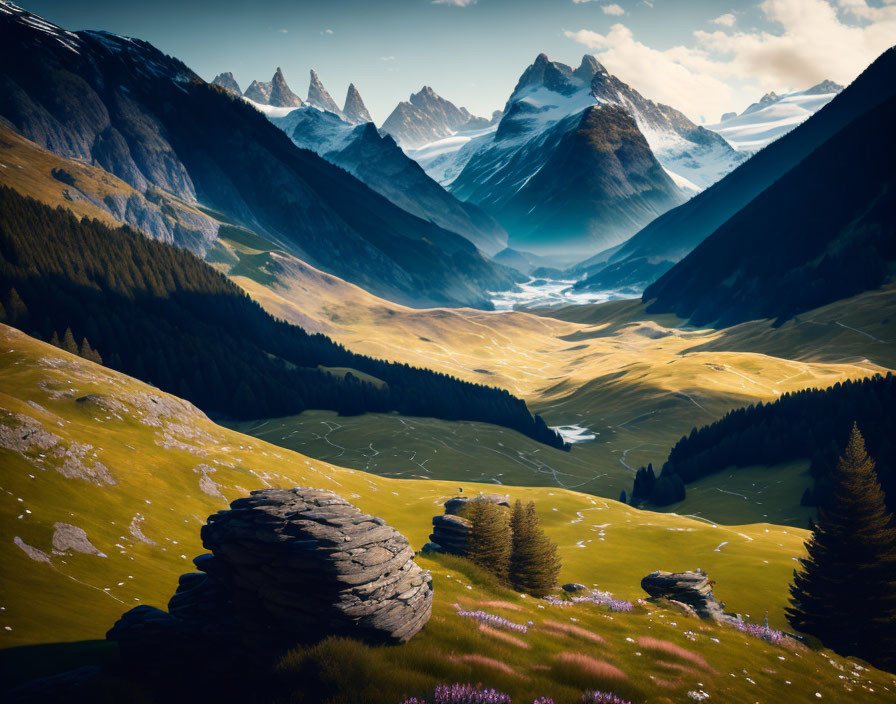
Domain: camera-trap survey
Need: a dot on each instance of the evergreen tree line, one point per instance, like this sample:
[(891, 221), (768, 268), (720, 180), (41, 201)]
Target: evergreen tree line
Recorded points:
[(163, 315), (811, 424), (512, 546), (844, 592)]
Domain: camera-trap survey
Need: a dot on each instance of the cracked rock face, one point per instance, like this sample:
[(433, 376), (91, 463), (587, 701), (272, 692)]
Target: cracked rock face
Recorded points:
[(294, 566)]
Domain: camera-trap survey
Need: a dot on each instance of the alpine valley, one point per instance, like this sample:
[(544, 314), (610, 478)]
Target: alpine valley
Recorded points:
[(555, 394)]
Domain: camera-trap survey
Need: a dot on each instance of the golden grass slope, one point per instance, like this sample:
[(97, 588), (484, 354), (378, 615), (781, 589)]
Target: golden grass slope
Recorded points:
[(138, 471), (172, 467)]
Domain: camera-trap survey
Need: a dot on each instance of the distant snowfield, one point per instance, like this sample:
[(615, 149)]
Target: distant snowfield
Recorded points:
[(542, 293), (574, 433), (753, 131)]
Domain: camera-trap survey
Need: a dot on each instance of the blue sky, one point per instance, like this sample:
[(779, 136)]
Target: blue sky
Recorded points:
[(703, 57)]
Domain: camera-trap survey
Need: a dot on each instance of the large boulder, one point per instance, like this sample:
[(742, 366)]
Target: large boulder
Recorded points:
[(289, 567), (688, 591)]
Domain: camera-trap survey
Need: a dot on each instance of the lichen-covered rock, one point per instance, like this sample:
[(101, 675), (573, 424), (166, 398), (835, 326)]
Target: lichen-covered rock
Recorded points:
[(688, 591), (288, 567)]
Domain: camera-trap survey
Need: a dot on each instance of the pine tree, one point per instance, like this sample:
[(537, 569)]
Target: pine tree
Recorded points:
[(16, 311), (490, 542), (845, 593), (87, 352), (55, 340), (68, 342), (534, 564)]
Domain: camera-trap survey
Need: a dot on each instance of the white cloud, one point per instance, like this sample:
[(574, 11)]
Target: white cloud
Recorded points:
[(327, 31), (387, 58), (726, 20), (456, 3), (284, 31), (613, 9), (807, 41)]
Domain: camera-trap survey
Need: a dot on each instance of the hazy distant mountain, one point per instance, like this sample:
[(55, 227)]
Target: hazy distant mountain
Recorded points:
[(121, 104), (567, 174), (228, 83), (426, 117), (380, 163), (355, 111), (825, 230), (773, 116), (319, 97), (669, 238)]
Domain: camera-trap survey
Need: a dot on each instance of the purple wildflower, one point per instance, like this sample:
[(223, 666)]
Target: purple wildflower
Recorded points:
[(493, 620), (468, 694), (414, 700), (765, 633), (600, 598), (543, 700), (603, 698)]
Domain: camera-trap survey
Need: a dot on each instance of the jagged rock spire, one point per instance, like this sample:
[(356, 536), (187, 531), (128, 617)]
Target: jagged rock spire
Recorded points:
[(281, 95), (355, 111), (318, 96)]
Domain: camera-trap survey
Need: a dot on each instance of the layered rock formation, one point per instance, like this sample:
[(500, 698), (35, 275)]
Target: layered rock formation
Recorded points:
[(690, 592), (228, 83), (319, 97), (451, 531), (287, 567)]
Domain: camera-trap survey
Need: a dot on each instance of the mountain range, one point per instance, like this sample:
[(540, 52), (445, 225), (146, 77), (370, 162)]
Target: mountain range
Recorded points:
[(518, 171), (118, 103), (668, 239), (379, 162)]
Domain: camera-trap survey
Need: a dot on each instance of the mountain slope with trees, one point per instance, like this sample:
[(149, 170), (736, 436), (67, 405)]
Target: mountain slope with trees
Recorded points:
[(824, 231), (668, 239), (163, 315), (123, 105), (812, 424)]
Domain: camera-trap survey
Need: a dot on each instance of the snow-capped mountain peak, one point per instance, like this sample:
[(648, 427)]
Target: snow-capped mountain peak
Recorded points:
[(772, 116)]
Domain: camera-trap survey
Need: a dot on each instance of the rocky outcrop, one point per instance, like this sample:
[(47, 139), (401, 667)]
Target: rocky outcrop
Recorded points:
[(689, 592), (287, 567), (451, 531), (456, 505)]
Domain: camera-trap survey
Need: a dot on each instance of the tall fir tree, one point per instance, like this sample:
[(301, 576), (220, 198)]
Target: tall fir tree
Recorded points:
[(489, 544), (68, 342), (845, 593), (534, 563)]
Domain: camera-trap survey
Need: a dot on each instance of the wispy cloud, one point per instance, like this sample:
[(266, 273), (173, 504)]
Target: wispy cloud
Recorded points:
[(387, 58), (726, 20), (284, 31), (704, 77), (612, 9), (456, 3), (327, 32)]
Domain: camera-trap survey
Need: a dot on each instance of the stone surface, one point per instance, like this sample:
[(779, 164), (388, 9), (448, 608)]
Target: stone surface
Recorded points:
[(451, 531), (574, 587), (288, 567), (457, 504), (689, 592)]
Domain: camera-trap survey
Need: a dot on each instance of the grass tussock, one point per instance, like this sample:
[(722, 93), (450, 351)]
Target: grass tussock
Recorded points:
[(664, 646)]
